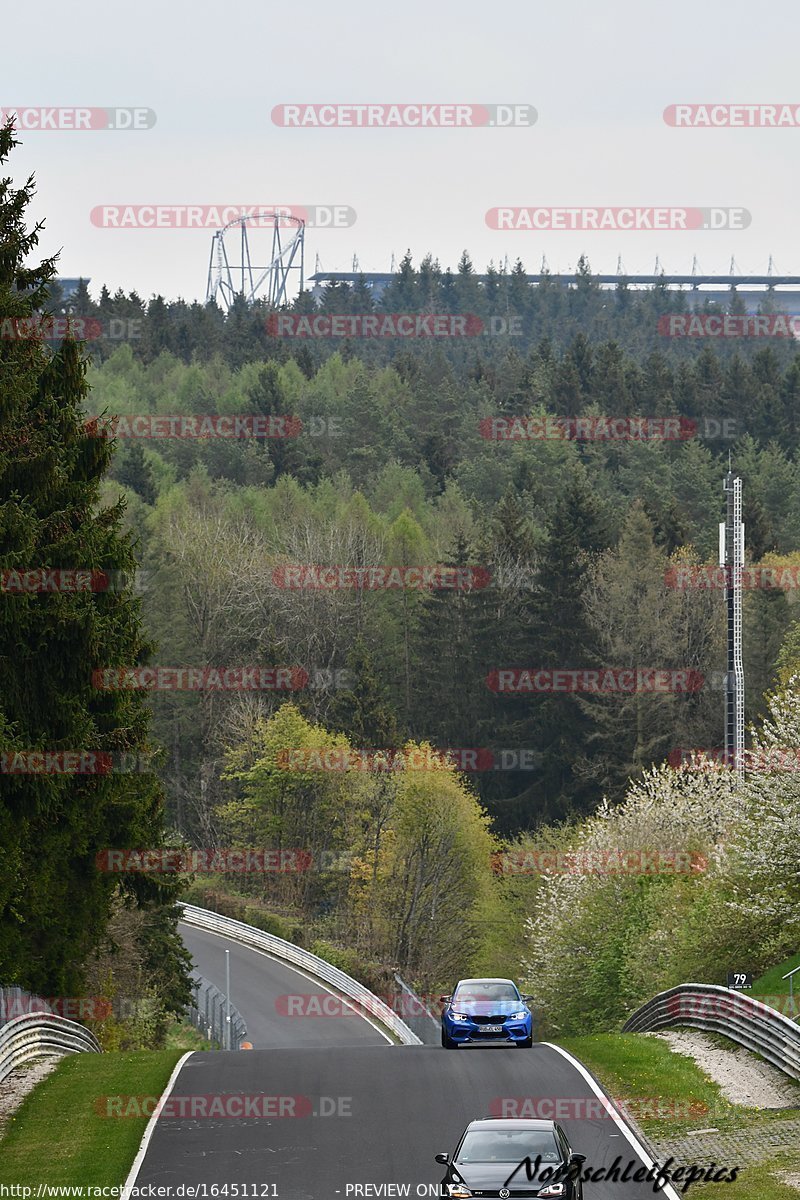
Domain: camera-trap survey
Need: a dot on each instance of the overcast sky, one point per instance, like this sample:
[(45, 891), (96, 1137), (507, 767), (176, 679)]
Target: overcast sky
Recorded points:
[(598, 75)]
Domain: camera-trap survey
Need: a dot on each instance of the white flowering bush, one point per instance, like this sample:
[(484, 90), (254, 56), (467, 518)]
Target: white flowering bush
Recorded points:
[(598, 940), (598, 945), (764, 855)]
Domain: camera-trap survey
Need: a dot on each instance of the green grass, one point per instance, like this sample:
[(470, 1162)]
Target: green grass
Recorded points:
[(644, 1070), (58, 1136), (183, 1036), (771, 982), (754, 1183), (637, 1068)]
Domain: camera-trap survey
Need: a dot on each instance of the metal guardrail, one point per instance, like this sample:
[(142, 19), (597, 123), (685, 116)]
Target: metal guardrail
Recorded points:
[(17, 1002), (207, 1013), (366, 1001), (40, 1035), (746, 1021), (418, 1015)]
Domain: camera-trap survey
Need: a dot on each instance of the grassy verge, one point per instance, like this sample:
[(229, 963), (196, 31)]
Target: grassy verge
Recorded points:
[(756, 1183), (772, 984), (183, 1036), (668, 1095), (59, 1135)]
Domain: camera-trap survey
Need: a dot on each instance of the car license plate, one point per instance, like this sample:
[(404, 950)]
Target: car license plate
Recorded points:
[(493, 1029)]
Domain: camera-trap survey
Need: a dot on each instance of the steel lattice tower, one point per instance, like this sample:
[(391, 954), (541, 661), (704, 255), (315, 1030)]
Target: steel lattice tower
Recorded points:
[(232, 272)]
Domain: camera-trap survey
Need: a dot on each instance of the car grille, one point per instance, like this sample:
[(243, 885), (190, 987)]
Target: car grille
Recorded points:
[(514, 1192), (498, 1020)]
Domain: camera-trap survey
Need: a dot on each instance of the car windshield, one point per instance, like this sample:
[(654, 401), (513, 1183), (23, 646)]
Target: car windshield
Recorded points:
[(508, 1146), (486, 991)]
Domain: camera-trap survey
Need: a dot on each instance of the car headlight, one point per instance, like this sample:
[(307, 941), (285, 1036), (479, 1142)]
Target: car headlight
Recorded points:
[(459, 1016), (519, 1016), (553, 1189), (459, 1191)]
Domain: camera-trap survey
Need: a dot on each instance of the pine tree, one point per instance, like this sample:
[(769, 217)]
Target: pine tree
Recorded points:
[(562, 637), (363, 710), (134, 471), (450, 706)]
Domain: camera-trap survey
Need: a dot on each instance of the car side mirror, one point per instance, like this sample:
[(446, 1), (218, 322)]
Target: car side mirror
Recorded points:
[(580, 1159), (527, 999), (443, 999), (443, 1158)]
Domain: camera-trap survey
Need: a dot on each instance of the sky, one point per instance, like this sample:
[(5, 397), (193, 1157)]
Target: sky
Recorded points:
[(598, 76)]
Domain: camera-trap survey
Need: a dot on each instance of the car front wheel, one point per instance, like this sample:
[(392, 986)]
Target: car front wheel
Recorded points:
[(526, 1044), (448, 1042)]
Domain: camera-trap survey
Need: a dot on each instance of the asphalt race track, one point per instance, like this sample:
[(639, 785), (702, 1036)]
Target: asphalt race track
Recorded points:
[(393, 1106), (356, 1113), (257, 981)]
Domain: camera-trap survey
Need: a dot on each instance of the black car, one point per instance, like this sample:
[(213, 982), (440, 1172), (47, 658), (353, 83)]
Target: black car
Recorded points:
[(536, 1153)]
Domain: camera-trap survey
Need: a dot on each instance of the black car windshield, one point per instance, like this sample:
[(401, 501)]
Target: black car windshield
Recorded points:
[(508, 1146), (486, 991)]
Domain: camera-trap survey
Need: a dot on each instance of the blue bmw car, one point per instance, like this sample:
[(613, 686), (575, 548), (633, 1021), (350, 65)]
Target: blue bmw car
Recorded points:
[(486, 1010)]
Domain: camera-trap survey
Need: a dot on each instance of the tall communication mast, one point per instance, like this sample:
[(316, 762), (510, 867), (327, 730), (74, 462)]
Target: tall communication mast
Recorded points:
[(731, 557)]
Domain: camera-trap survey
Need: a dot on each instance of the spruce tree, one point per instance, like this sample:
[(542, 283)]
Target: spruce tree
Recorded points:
[(450, 705), (134, 471), (562, 637), (54, 898)]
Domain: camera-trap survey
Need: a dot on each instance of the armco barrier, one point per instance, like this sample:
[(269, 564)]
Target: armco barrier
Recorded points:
[(419, 1017), (748, 1022), (365, 1000), (39, 1035), (17, 1002)]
